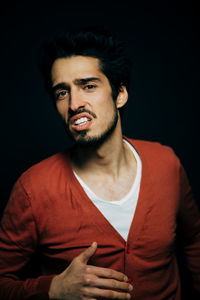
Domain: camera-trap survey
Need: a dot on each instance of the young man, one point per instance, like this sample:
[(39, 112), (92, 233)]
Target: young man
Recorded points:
[(100, 218)]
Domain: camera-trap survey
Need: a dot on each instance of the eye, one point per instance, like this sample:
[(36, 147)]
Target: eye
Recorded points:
[(89, 86), (61, 94)]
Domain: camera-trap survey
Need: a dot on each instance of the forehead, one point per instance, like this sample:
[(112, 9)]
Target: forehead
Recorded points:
[(70, 68)]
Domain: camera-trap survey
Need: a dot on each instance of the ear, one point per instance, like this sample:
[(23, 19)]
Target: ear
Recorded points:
[(122, 97)]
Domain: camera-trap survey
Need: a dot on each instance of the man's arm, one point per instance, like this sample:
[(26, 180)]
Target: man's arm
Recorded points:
[(19, 239), (189, 229)]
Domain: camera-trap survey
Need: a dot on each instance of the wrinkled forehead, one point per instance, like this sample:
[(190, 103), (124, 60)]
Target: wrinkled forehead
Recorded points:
[(74, 68)]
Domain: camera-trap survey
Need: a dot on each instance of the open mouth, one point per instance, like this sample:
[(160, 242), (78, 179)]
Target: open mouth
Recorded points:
[(81, 122)]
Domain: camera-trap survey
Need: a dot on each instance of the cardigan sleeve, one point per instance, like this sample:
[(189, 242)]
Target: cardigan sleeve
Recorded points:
[(18, 243), (189, 228)]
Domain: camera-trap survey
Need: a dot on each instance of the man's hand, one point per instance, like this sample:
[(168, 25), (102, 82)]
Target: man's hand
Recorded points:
[(80, 281)]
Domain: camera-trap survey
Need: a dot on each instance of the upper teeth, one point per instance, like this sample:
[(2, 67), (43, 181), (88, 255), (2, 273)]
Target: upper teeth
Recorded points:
[(81, 120)]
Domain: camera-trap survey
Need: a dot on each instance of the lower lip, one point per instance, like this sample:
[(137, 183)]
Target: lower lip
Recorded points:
[(83, 126)]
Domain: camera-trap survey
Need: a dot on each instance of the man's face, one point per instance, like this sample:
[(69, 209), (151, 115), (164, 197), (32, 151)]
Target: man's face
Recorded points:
[(83, 98)]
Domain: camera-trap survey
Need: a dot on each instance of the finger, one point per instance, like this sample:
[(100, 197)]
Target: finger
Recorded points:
[(88, 253), (107, 273), (108, 294), (112, 284)]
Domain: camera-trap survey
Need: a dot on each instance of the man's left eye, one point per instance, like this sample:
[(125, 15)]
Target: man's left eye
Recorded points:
[(89, 86)]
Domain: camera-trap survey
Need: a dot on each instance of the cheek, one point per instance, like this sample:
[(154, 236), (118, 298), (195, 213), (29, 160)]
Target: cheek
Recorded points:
[(62, 108), (108, 107), (105, 103)]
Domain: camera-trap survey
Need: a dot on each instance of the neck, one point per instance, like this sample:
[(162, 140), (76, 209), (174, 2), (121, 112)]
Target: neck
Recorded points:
[(107, 157)]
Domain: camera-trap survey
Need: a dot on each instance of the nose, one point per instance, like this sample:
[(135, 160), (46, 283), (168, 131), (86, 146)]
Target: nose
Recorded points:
[(76, 100)]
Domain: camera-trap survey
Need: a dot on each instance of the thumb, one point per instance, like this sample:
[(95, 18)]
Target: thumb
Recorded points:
[(89, 252)]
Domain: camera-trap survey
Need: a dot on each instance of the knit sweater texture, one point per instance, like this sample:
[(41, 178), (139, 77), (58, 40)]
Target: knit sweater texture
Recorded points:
[(49, 220)]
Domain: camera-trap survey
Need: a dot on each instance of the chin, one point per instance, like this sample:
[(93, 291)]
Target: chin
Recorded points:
[(93, 141), (85, 138), (88, 141)]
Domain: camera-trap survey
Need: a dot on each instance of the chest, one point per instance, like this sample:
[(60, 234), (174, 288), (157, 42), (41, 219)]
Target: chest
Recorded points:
[(111, 190), (76, 223), (108, 188)]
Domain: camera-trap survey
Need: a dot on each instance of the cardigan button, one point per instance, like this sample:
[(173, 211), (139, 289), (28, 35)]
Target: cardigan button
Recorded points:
[(130, 280), (128, 249)]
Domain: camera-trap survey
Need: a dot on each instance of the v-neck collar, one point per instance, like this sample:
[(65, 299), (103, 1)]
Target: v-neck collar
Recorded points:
[(143, 206)]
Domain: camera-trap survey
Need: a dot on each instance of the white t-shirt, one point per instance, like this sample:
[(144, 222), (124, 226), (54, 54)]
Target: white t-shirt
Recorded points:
[(121, 212)]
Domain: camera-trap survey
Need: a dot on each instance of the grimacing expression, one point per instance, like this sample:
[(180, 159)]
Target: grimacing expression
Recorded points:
[(84, 100)]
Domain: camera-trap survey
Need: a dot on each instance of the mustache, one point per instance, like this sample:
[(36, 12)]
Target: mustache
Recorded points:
[(79, 111)]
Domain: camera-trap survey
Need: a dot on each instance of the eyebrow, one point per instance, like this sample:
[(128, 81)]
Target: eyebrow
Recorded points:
[(79, 81), (85, 80), (60, 86)]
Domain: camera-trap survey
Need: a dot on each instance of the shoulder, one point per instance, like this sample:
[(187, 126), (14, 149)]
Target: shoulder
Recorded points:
[(49, 164), (155, 152), (46, 172)]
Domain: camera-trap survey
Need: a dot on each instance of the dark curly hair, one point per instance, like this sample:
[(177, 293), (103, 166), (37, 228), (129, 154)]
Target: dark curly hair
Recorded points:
[(97, 42)]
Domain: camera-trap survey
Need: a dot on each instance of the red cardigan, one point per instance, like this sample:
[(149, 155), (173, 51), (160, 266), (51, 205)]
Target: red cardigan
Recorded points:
[(50, 215)]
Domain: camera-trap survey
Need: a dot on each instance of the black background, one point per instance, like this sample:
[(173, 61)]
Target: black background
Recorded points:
[(163, 103)]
